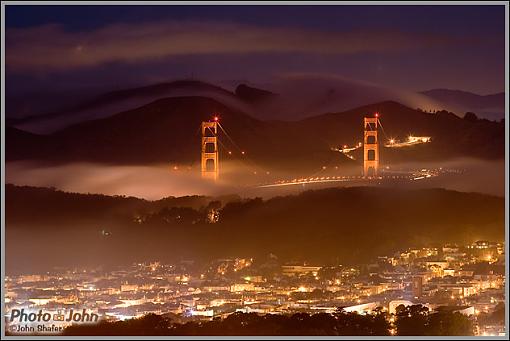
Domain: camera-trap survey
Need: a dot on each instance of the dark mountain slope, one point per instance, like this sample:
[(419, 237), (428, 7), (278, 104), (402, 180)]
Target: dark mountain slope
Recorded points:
[(348, 224), (489, 106), (451, 135), (167, 130)]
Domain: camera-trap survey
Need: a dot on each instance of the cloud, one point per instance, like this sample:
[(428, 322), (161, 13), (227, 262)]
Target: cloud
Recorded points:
[(148, 181), (306, 94), (52, 47), (151, 181), (154, 182)]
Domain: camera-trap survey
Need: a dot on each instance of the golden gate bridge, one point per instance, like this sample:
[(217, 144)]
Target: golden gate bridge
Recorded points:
[(210, 162)]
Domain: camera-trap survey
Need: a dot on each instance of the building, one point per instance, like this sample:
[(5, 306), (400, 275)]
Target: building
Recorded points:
[(300, 270), (417, 286)]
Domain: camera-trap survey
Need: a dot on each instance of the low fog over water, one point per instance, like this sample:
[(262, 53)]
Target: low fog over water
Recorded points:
[(157, 181)]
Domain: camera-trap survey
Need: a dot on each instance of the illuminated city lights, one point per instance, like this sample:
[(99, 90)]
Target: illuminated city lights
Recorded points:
[(137, 286)]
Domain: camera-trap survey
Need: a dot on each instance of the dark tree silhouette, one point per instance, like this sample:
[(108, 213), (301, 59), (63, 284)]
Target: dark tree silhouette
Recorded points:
[(416, 320), (411, 320), (245, 324), (471, 116)]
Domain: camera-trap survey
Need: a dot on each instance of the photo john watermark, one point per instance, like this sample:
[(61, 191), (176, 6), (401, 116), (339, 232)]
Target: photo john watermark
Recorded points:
[(42, 321)]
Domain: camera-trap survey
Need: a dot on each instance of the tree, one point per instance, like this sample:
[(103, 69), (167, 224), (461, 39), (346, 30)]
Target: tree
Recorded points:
[(497, 317), (449, 324), (416, 320), (411, 320), (470, 116)]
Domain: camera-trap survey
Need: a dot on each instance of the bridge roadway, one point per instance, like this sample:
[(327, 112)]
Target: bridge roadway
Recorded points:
[(410, 176)]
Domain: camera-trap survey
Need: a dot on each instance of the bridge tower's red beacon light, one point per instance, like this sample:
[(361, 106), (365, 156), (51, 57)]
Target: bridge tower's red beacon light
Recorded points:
[(376, 114), (216, 118)]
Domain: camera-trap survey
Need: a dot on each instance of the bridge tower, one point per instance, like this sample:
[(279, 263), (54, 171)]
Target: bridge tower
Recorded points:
[(370, 147), (210, 166)]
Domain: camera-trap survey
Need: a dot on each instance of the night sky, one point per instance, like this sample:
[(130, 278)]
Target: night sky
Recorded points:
[(53, 48)]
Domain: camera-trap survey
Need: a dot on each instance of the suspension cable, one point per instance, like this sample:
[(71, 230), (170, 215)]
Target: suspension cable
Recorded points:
[(382, 128), (245, 161)]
